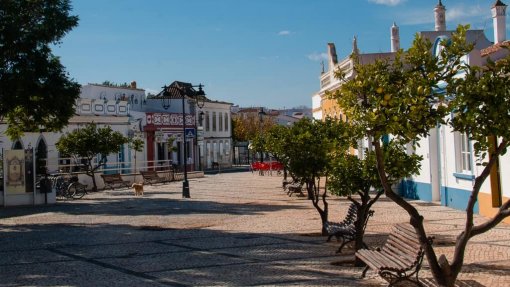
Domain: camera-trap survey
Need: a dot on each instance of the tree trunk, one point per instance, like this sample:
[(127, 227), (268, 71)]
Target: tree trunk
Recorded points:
[(416, 220), (361, 218), (94, 185), (311, 190)]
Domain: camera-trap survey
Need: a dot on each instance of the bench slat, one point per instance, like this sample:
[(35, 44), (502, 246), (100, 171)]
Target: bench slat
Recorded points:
[(402, 255), (378, 261), (114, 179), (367, 256), (394, 251), (400, 244), (404, 261), (410, 234)]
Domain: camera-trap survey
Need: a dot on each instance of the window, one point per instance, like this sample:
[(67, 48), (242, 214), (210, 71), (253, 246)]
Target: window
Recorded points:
[(220, 121), (226, 122), (465, 153), (213, 121), (463, 156), (207, 121)]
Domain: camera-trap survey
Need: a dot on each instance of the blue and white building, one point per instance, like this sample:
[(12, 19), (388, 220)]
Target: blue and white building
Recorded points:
[(449, 166)]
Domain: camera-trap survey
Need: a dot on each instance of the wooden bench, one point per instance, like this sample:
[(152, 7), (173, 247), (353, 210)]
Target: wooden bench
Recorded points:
[(114, 179), (400, 257), (285, 182), (295, 187), (346, 230), (152, 176)]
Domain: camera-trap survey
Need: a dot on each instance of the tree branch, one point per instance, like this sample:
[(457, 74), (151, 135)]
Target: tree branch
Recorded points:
[(504, 212), (416, 219), (462, 240)]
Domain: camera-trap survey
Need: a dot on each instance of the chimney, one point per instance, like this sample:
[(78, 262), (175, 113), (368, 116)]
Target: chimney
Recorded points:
[(498, 19), (355, 49), (395, 38), (332, 58), (440, 18), (133, 85)]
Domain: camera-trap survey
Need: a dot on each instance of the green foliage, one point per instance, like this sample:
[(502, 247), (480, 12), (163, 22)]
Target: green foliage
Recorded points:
[(90, 141), (249, 127), (276, 142), (401, 96), (258, 143), (351, 174), (482, 103), (35, 92), (170, 144), (313, 144), (136, 144), (115, 85), (399, 164)]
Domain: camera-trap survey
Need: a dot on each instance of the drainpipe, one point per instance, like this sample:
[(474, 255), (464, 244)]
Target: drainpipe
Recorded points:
[(439, 163)]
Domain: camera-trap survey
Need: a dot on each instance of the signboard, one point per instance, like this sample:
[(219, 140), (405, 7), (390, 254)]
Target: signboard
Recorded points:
[(168, 119), (15, 171), (190, 133)]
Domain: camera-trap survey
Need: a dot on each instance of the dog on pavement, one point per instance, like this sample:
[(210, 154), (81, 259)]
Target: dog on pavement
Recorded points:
[(137, 188)]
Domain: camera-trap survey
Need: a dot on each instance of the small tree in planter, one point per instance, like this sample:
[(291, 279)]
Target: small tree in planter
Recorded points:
[(352, 175), (90, 142), (136, 144), (276, 142), (311, 147)]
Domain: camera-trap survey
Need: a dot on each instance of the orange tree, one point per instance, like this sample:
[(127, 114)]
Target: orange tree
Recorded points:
[(276, 142), (88, 143), (307, 149), (355, 177), (401, 97), (249, 128)]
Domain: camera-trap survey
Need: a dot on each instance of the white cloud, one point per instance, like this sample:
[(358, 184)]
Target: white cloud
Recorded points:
[(284, 33), (416, 17), (388, 2), (462, 13), (152, 91), (454, 15), (318, 56)]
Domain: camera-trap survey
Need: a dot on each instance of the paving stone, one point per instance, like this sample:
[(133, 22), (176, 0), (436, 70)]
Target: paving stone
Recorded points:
[(237, 229)]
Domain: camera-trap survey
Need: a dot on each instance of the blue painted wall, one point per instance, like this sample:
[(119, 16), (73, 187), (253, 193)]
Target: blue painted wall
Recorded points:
[(456, 198), (451, 197), (416, 190)]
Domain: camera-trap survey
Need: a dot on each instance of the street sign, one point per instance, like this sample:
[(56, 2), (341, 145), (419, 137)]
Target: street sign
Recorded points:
[(190, 133)]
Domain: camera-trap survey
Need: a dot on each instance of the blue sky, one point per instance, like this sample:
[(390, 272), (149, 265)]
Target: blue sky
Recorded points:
[(247, 52)]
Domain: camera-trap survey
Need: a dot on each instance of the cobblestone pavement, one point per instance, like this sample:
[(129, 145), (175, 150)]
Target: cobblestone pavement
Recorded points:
[(237, 229)]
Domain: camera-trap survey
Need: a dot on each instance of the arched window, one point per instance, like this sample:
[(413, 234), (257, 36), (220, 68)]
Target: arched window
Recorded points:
[(41, 156), (17, 145)]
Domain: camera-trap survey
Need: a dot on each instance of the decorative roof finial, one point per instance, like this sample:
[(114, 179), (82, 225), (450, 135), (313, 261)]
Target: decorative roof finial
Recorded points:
[(355, 49), (498, 3)]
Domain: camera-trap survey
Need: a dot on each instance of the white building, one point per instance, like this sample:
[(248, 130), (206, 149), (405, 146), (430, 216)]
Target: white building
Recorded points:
[(215, 134), (103, 105), (449, 166)]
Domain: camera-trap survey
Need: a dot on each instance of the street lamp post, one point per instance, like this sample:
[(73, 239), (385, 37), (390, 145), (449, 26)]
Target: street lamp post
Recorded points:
[(200, 122), (261, 121), (181, 90)]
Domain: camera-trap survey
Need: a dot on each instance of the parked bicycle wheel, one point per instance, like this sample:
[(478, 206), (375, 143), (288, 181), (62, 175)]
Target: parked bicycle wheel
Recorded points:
[(61, 188), (76, 190)]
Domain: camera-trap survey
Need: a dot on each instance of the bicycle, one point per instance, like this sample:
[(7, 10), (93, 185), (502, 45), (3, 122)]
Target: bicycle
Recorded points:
[(68, 188)]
